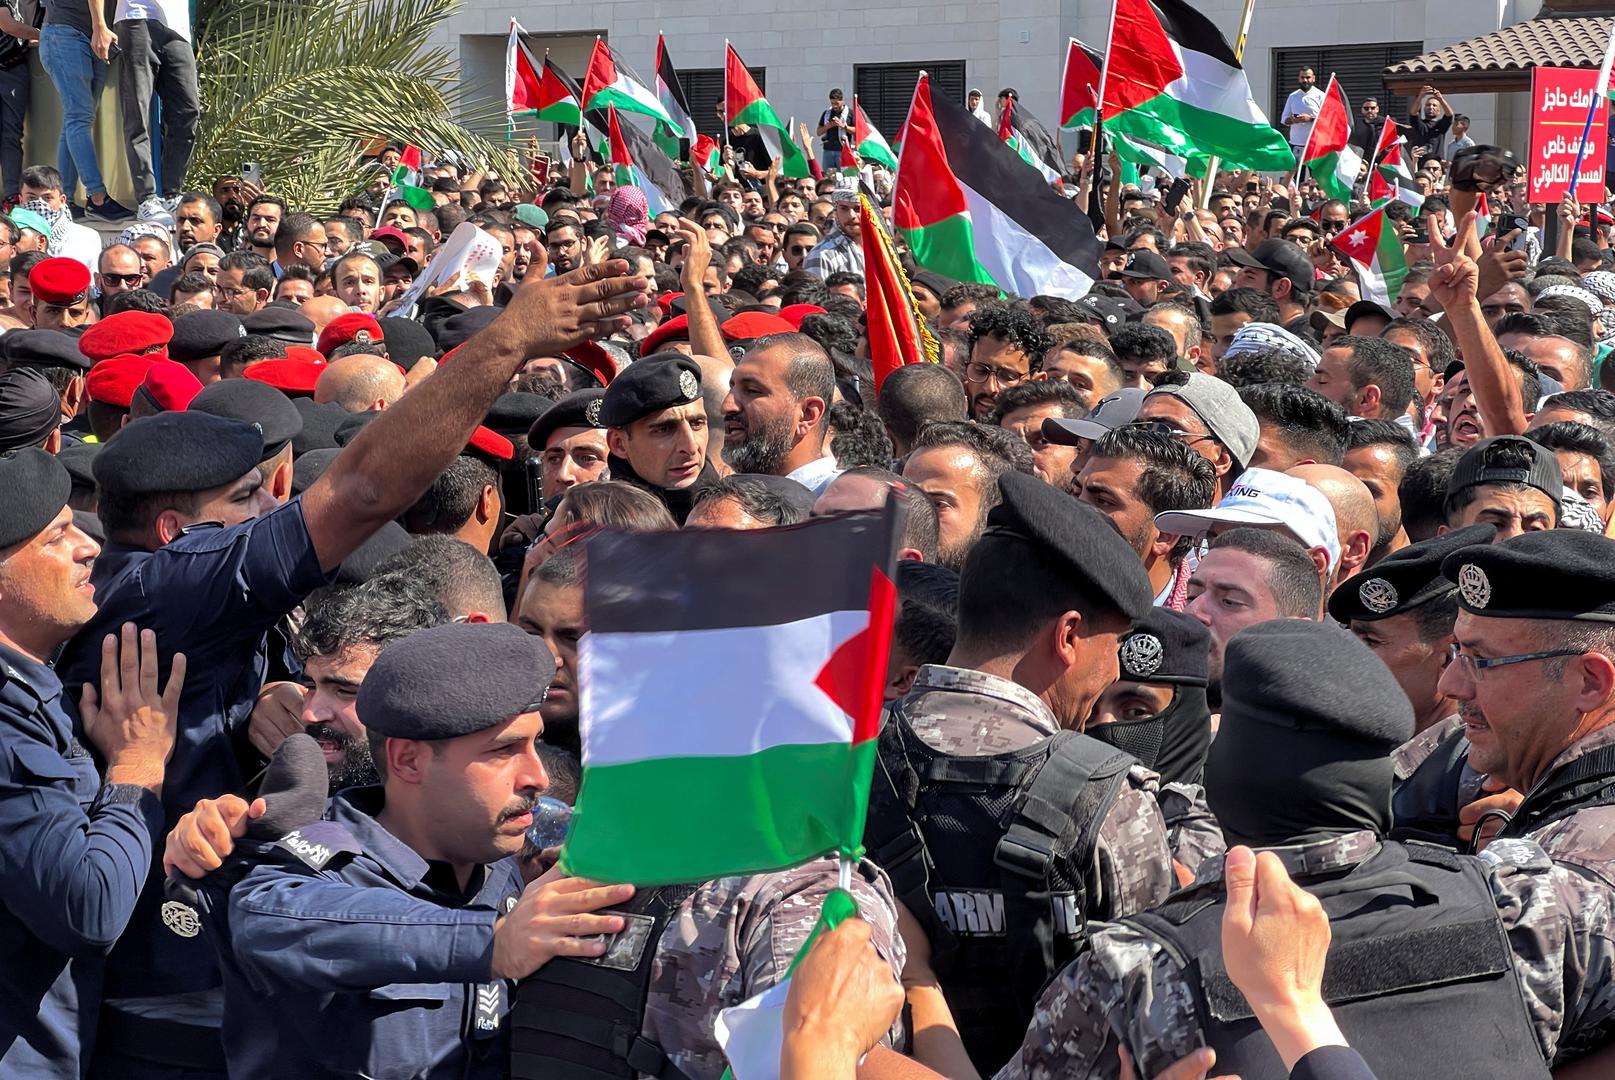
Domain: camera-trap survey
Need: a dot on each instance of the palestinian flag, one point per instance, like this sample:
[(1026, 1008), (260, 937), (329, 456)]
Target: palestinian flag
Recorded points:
[(1079, 86), (604, 86), (654, 171), (896, 333), (849, 160), (670, 92), (767, 743), (1172, 80), (869, 143), (522, 81), (744, 104), (629, 174), (408, 171), (1388, 170), (1375, 250), (707, 154), (1027, 136), (1143, 156), (1329, 155), (970, 209)]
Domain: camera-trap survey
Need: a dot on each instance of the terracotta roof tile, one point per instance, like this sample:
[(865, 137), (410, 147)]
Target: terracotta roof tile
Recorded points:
[(1553, 42)]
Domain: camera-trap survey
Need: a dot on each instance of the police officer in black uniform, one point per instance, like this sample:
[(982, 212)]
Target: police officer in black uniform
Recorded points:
[(657, 430), (56, 356)]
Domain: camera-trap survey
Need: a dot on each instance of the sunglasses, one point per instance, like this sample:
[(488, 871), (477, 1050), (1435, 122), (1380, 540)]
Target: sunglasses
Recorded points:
[(123, 279)]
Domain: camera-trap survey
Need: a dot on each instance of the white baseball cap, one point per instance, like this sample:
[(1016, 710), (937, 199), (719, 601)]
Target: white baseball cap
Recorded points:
[(1264, 498)]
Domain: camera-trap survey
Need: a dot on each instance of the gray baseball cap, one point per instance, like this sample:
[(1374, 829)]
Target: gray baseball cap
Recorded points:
[(1218, 405), (1111, 413)]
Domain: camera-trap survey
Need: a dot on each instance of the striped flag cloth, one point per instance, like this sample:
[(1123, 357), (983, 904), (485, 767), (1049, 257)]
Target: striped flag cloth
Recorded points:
[(870, 144), (744, 103), (628, 174), (767, 744), (1079, 86), (1329, 155), (670, 92), (1374, 248), (604, 84)]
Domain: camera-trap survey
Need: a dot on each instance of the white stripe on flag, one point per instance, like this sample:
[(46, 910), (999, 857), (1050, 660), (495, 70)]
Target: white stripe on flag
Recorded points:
[(711, 673), (1017, 260)]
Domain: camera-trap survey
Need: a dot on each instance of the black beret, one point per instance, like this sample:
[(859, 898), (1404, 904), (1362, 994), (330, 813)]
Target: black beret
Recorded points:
[(281, 323), (33, 489), (680, 306), (77, 460), (456, 330), (1101, 563), (578, 409), (351, 425), (90, 525), (1479, 465), (319, 424), (42, 348), (453, 680), (406, 340), (1312, 676), (259, 404), (30, 408), (363, 562), (202, 334), (177, 451), (1549, 574), (659, 381), (1165, 647), (514, 413), (310, 466), (1404, 579)]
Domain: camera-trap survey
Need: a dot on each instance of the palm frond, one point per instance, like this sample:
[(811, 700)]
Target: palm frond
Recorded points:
[(303, 88)]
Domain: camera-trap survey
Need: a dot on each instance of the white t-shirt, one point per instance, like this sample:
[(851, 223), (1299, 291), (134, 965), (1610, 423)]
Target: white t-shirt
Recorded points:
[(174, 14), (1301, 101)]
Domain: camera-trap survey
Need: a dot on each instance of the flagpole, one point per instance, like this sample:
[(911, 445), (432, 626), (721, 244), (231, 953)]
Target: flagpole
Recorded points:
[(1599, 89), (1239, 55)]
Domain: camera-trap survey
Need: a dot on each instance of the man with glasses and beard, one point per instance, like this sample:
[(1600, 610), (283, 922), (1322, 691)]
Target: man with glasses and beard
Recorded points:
[(776, 416)]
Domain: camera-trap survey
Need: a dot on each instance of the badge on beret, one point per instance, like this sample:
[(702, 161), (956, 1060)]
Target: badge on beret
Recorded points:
[(1473, 584), (362, 337), (591, 412), (1377, 595), (688, 386), (181, 918), (1141, 655)]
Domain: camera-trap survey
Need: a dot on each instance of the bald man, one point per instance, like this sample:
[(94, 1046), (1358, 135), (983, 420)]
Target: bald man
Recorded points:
[(1356, 520), (322, 310), (360, 383)]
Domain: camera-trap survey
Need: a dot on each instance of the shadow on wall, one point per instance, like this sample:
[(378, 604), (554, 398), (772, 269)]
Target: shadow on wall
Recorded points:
[(44, 126)]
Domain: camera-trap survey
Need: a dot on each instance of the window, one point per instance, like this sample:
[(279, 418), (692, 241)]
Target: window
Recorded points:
[(885, 91), (703, 89), (1360, 69)]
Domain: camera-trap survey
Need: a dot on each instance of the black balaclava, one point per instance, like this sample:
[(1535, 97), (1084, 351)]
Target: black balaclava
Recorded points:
[(1167, 648)]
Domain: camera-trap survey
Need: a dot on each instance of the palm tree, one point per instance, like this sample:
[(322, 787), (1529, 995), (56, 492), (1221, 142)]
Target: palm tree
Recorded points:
[(303, 88)]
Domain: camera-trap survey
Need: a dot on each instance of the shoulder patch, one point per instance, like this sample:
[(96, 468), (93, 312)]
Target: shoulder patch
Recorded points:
[(318, 842)]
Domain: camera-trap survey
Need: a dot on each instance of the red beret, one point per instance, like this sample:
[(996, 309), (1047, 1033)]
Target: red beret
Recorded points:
[(797, 312), (665, 301), (59, 281), (113, 381), (674, 329), (754, 324), (490, 443), (292, 377), (354, 326), (125, 332), (591, 356), (170, 386)]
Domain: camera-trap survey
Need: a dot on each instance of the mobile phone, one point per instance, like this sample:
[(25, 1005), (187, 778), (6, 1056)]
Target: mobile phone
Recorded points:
[(540, 170), (534, 468), (1174, 195), (252, 173)]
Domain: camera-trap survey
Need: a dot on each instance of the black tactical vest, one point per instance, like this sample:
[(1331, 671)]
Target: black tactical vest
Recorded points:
[(992, 854), (580, 1018), (1425, 805), (1587, 782), (1420, 975)]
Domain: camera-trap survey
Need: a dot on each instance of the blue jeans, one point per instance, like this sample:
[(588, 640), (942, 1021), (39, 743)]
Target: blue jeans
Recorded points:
[(78, 77)]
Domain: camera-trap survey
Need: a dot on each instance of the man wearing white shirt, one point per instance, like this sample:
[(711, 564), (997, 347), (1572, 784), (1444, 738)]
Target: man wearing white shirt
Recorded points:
[(1301, 108), (155, 36)]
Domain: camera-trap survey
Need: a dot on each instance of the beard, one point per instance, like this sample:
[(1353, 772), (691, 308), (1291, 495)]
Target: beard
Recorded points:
[(763, 451), (357, 768)]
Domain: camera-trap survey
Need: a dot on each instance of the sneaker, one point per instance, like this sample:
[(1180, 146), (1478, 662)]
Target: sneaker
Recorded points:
[(157, 208), (109, 210)]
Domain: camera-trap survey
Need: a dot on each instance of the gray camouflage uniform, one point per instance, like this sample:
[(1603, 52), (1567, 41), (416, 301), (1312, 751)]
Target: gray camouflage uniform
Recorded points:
[(1407, 758), (1586, 839), (971, 713), (1559, 925), (734, 938), (1191, 827)]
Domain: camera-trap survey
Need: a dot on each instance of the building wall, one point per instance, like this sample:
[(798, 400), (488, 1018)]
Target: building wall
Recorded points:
[(809, 48)]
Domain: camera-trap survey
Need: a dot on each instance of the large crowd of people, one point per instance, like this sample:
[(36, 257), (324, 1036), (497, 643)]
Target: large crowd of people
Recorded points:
[(1251, 696)]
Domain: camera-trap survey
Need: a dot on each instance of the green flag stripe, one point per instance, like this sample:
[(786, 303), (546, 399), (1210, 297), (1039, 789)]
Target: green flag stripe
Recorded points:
[(948, 247), (1193, 132)]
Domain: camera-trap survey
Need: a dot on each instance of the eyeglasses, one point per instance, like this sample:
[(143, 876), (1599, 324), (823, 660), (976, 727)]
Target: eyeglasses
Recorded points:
[(1167, 430), (1476, 664), (982, 373), (131, 280)]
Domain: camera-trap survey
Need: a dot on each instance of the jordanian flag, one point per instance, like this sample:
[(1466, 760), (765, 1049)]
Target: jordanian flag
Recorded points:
[(670, 92), (1329, 155), (1375, 251), (629, 174), (1079, 86), (605, 86), (970, 209), (767, 741), (1172, 80), (744, 104), (869, 143)]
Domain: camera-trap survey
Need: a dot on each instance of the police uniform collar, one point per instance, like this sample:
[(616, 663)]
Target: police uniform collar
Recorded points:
[(1329, 855), (941, 677), (1599, 739), (18, 667), (357, 808)]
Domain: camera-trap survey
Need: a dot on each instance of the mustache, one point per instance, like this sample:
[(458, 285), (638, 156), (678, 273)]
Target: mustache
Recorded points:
[(517, 809), (331, 733), (1469, 711)]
